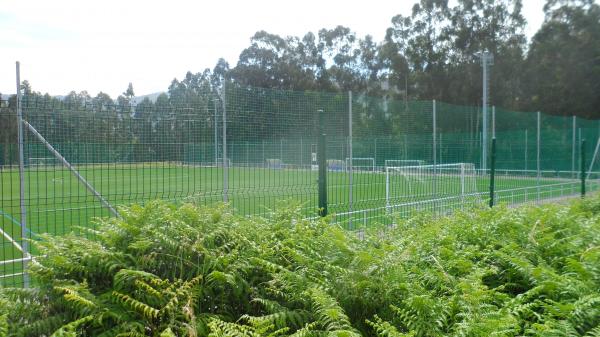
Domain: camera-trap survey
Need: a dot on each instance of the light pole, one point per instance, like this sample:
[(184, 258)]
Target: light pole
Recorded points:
[(487, 59)]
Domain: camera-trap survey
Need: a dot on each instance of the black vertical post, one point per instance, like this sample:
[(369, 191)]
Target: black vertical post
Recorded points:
[(322, 162), (582, 168), (492, 171)]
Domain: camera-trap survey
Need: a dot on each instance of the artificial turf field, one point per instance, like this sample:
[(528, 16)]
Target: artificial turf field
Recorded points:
[(58, 203)]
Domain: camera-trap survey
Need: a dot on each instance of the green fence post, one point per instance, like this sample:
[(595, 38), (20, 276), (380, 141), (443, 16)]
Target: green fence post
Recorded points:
[(582, 168), (492, 171), (322, 162)]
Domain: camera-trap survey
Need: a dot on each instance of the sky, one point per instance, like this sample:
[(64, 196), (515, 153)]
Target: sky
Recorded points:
[(66, 45)]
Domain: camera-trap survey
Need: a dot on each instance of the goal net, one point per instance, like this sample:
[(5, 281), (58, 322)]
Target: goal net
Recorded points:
[(456, 182), (274, 163), (336, 165), (361, 164)]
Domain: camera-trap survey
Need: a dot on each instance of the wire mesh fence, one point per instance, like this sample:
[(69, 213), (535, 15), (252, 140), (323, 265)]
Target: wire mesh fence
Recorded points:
[(256, 149)]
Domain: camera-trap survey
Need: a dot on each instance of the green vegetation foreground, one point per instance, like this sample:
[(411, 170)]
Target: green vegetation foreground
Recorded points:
[(198, 271)]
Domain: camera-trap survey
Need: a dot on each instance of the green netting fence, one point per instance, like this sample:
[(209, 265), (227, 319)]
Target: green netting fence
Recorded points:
[(256, 149)]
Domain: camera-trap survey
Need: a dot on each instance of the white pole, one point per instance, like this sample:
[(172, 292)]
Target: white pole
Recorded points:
[(593, 159), (525, 149), (375, 155), (538, 153), (434, 134), (485, 119), (487, 59), (462, 182), (387, 189), (24, 242), (216, 137), (301, 144), (350, 171), (225, 164), (440, 150), (574, 147)]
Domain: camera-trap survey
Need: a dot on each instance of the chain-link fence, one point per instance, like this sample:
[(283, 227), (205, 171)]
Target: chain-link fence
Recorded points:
[(257, 150)]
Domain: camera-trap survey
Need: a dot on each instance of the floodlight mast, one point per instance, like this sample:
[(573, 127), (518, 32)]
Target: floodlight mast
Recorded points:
[(487, 59)]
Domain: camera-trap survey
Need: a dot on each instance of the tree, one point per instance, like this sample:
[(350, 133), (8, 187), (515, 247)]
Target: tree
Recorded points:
[(102, 101), (564, 60), (129, 92)]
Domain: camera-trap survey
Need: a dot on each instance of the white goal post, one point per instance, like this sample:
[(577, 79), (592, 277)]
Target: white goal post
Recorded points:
[(361, 164), (429, 182), (42, 161), (219, 162), (403, 162)]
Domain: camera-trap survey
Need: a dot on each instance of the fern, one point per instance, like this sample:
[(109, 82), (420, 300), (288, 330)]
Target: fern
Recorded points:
[(193, 270)]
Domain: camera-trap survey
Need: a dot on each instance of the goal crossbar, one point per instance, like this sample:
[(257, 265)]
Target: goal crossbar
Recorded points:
[(415, 174)]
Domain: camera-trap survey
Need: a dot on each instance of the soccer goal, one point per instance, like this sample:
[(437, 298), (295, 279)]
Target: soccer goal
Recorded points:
[(403, 162), (274, 163), (336, 165), (42, 161), (361, 164), (428, 182), (220, 163)]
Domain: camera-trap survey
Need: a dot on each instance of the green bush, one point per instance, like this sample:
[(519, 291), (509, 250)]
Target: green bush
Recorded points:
[(197, 271)]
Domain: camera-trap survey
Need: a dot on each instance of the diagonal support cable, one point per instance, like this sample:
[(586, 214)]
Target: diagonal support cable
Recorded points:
[(87, 185)]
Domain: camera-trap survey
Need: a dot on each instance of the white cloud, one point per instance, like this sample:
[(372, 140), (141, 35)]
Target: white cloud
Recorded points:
[(103, 45)]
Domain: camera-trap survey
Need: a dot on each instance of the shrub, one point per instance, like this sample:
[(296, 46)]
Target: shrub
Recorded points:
[(191, 270)]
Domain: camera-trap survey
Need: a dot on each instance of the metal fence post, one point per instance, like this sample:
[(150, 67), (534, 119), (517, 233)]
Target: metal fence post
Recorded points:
[(216, 135), (24, 242), (582, 168), (225, 162), (301, 150), (434, 135), (492, 171), (539, 116), (494, 121), (526, 154), (322, 162), (573, 148), (350, 155)]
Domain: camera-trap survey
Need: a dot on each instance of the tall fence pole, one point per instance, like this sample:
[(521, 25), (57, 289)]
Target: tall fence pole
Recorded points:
[(526, 154), (24, 242), (539, 125), (582, 155), (573, 148), (301, 152), (350, 154), (216, 136), (494, 121), (434, 135), (492, 171), (225, 162), (322, 162)]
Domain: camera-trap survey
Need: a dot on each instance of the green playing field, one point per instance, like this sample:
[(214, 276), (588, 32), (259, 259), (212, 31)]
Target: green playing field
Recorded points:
[(58, 203)]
